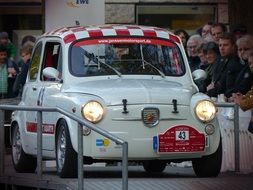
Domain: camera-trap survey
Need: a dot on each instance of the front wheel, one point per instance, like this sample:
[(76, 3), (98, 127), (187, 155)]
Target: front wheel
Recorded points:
[(66, 156), (22, 162), (208, 166), (154, 166)]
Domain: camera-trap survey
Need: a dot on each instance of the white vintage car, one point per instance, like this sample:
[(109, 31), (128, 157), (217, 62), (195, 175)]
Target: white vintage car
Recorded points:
[(132, 81)]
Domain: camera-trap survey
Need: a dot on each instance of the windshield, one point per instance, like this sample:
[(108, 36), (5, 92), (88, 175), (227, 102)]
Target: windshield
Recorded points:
[(121, 56)]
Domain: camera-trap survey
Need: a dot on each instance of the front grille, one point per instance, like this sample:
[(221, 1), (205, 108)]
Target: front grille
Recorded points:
[(150, 116)]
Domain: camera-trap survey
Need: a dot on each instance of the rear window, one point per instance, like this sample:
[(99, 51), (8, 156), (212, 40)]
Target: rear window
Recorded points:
[(127, 56)]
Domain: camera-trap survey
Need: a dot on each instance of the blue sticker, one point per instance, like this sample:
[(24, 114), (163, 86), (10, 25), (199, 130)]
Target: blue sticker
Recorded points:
[(99, 142), (155, 142)]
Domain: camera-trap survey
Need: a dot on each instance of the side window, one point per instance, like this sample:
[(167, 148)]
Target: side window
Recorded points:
[(52, 57), (35, 63)]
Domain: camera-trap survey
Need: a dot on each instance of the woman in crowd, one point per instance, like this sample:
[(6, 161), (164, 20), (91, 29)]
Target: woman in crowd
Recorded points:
[(212, 57)]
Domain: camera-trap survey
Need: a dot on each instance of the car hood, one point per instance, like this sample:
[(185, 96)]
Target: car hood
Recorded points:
[(136, 91)]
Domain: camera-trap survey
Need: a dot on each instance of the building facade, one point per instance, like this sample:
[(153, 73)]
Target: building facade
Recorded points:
[(29, 15), (173, 14)]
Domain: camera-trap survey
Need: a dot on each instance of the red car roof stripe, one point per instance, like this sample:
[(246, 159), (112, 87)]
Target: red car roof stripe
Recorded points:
[(150, 33), (95, 33), (122, 32), (69, 38)]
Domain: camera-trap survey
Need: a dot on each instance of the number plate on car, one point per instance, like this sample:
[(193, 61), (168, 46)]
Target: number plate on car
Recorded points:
[(181, 138), (182, 135)]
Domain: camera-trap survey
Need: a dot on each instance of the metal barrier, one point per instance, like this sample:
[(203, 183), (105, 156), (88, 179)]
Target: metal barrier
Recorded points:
[(98, 130), (81, 122), (236, 131)]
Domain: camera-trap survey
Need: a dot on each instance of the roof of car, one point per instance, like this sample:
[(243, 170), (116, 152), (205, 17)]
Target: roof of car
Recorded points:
[(70, 34)]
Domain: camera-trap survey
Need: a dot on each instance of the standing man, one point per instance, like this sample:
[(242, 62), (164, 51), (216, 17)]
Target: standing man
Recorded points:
[(26, 53), (217, 30), (244, 78), (7, 73), (11, 49), (246, 101), (206, 32), (193, 43), (3, 73), (227, 69)]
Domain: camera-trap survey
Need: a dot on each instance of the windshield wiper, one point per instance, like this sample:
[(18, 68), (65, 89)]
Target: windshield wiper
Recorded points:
[(93, 58), (158, 70), (147, 63)]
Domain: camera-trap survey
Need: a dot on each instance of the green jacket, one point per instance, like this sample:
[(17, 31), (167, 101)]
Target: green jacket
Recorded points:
[(11, 50)]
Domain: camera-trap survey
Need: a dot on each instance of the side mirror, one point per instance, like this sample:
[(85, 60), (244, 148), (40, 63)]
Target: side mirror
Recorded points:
[(51, 73), (199, 74)]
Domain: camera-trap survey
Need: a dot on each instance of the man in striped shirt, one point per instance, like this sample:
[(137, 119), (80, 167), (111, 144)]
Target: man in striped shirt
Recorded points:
[(6, 70)]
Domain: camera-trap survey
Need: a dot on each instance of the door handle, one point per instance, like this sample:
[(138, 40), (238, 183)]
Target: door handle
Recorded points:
[(34, 88)]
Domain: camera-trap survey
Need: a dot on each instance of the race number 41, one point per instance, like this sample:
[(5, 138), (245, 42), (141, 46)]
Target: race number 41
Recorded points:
[(182, 135)]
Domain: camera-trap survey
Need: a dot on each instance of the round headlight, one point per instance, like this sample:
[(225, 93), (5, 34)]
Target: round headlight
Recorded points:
[(205, 110), (93, 111)]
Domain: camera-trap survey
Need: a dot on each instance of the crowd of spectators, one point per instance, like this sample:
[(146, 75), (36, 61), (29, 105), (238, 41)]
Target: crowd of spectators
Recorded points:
[(11, 72), (223, 53)]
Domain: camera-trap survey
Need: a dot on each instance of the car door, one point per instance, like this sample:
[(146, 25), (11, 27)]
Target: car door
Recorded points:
[(40, 91), (49, 90), (30, 95)]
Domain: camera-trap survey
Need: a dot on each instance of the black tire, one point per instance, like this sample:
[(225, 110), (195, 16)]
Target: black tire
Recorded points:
[(154, 166), (22, 162), (208, 166), (66, 156)]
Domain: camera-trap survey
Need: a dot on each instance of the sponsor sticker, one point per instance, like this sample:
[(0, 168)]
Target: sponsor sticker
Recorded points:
[(102, 142)]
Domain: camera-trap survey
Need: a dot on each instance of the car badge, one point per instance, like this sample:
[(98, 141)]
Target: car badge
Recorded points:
[(150, 116)]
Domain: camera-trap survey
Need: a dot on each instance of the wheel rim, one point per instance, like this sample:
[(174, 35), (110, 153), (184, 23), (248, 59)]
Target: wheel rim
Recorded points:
[(61, 149), (16, 146)]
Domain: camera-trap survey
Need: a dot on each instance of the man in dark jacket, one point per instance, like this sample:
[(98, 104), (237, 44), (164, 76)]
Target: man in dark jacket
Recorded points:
[(244, 78), (26, 53), (227, 69)]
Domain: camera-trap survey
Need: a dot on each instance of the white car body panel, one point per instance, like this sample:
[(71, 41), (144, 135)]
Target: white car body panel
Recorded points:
[(141, 91)]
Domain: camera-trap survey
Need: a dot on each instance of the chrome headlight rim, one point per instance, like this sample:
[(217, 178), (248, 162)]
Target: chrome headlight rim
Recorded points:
[(90, 120), (212, 116)]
